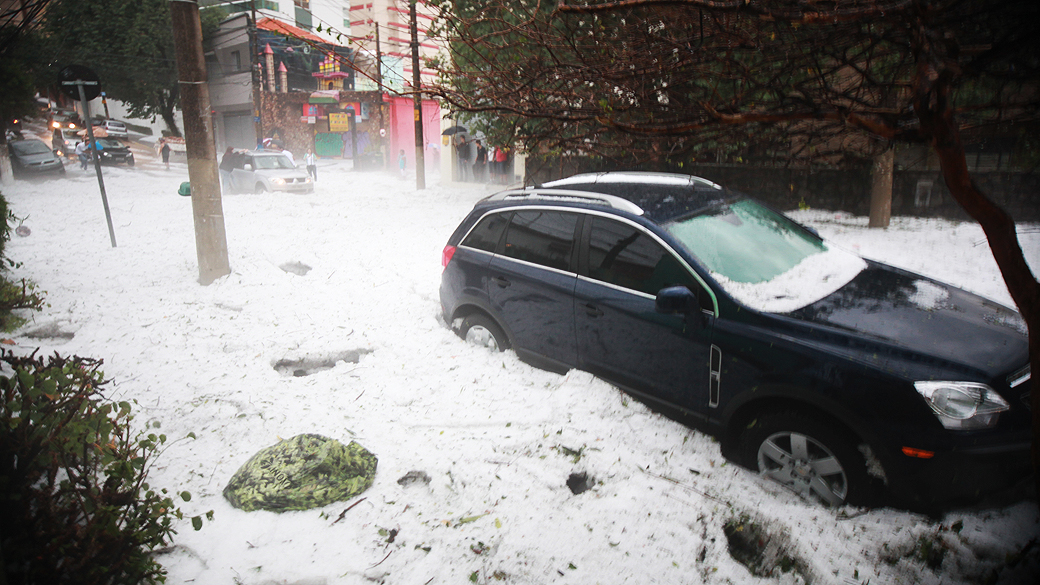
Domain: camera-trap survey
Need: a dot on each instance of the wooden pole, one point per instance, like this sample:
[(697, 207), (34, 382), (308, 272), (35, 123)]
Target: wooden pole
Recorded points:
[(207, 209)]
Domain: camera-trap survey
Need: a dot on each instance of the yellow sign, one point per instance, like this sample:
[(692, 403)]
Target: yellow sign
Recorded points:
[(339, 122)]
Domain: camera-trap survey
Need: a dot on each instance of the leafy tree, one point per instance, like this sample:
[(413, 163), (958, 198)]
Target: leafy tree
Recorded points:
[(18, 24), (805, 80), (129, 43)]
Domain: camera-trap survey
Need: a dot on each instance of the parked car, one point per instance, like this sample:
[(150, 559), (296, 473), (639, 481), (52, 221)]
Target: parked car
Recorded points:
[(64, 141), (114, 152), (114, 128), (844, 379), (260, 171), (32, 158)]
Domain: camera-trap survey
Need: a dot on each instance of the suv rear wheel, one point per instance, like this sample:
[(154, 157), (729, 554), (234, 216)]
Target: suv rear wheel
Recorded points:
[(482, 330), (808, 456)]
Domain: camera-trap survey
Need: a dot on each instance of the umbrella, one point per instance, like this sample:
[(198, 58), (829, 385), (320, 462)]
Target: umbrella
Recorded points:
[(453, 130), (99, 132)]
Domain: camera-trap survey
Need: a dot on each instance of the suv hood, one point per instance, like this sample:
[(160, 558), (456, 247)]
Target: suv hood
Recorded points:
[(283, 173), (925, 317)]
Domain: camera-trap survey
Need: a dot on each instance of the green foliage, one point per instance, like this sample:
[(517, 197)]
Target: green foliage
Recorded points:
[(657, 86), (129, 44), (74, 504), (22, 294)]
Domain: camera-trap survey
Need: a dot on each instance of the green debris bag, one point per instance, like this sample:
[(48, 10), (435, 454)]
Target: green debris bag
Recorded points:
[(304, 472), (185, 189)]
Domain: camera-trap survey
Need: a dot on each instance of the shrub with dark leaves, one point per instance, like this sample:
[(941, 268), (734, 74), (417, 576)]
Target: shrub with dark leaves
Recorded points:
[(74, 505)]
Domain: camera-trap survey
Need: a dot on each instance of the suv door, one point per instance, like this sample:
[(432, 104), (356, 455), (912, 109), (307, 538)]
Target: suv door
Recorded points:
[(531, 283), (243, 178), (620, 336)]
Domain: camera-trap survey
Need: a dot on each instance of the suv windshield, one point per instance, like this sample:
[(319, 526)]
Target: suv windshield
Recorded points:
[(763, 259), (273, 162)]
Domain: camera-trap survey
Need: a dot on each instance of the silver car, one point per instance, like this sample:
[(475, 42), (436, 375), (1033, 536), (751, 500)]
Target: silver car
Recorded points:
[(261, 171), (115, 129)]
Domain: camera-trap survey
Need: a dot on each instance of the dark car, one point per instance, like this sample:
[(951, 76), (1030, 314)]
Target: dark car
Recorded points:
[(844, 379), (32, 158), (114, 152)]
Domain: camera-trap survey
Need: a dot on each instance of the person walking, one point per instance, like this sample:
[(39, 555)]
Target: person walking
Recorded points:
[(501, 156), (312, 165), (402, 163), (81, 154), (462, 157), (480, 164), (227, 163), (288, 154), (165, 152)]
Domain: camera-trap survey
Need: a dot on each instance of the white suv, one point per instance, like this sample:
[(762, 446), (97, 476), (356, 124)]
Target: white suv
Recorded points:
[(260, 171)]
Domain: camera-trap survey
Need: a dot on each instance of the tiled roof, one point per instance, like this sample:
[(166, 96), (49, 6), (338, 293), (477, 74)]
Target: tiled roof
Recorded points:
[(277, 26)]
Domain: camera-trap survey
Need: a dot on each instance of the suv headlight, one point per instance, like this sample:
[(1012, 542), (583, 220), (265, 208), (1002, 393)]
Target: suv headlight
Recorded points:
[(963, 406), (278, 181)]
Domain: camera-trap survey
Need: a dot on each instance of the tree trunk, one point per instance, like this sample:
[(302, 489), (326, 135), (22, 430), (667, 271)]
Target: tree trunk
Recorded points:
[(6, 172), (934, 84), (881, 189), (171, 121)]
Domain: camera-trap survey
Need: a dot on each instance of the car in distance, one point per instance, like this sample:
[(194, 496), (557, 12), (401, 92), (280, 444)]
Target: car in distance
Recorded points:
[(844, 379), (32, 158), (114, 152), (65, 118), (64, 141), (260, 171)]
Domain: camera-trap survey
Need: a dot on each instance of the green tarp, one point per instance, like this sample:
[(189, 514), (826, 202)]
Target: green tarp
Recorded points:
[(306, 471)]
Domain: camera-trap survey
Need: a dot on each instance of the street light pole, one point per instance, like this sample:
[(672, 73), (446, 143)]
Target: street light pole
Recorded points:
[(420, 159)]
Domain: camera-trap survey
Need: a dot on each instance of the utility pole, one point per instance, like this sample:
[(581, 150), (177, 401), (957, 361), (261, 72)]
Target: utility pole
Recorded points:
[(420, 159), (207, 209), (379, 88), (254, 77)]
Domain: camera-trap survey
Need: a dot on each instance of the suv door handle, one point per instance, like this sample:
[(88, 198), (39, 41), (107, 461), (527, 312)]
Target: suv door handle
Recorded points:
[(501, 281), (593, 311)]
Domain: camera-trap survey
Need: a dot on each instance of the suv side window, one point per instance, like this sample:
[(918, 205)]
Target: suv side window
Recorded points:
[(622, 255), (487, 233), (542, 237)]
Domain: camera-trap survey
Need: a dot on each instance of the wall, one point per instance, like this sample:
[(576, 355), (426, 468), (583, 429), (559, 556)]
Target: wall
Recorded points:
[(401, 133), (914, 193), (281, 113)]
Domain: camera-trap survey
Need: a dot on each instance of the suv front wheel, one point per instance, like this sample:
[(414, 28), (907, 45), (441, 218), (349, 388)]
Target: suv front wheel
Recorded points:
[(807, 456)]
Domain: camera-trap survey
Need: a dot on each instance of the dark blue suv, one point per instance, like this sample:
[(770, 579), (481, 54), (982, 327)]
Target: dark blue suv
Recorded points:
[(844, 379)]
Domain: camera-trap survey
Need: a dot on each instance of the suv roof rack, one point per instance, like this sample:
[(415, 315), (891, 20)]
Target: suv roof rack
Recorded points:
[(637, 177), (563, 195)]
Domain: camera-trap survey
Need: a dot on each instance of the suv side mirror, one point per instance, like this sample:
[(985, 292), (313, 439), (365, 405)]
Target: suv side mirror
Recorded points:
[(248, 166), (676, 299)]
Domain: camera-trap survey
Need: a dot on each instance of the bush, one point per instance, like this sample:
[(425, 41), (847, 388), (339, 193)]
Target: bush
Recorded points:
[(74, 505), (13, 295)]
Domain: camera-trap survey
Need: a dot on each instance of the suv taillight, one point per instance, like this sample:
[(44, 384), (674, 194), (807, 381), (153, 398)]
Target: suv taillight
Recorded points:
[(446, 255)]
